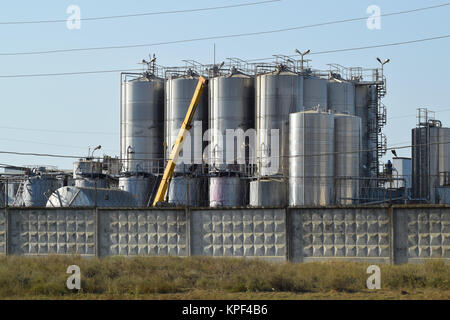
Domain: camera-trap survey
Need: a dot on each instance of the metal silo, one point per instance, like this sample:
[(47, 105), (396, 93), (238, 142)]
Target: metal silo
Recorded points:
[(37, 189), (142, 123), (268, 193), (228, 192), (311, 158), (347, 135), (430, 161), (231, 107), (188, 190), (90, 197), (278, 94), (315, 93), (141, 187), (179, 91), (341, 97)]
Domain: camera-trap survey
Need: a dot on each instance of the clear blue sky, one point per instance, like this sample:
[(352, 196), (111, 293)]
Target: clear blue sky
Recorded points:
[(418, 75)]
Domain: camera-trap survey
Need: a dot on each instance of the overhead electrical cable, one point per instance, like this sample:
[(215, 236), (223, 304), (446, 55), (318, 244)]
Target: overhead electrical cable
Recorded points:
[(251, 60), (297, 156), (224, 36), (59, 131), (247, 4)]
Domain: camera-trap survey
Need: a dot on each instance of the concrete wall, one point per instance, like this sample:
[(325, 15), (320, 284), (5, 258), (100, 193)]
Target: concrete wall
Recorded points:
[(3, 228), (42, 232), (398, 234), (239, 233), (143, 232), (346, 233)]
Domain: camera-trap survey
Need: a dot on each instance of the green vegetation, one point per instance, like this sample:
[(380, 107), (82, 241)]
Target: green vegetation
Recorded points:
[(215, 278)]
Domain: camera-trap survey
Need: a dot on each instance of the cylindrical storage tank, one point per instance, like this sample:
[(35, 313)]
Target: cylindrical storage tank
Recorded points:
[(430, 161), (90, 197), (188, 190), (444, 157), (141, 187), (142, 127), (341, 97), (315, 96), (268, 193), (347, 135), (228, 192), (311, 158), (179, 92), (277, 95), (36, 190), (231, 106)]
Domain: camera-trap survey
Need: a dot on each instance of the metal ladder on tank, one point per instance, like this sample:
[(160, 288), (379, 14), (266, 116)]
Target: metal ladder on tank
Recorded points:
[(375, 126), (381, 121)]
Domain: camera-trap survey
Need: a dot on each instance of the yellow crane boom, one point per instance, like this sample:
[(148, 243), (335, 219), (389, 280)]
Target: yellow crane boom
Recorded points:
[(178, 146)]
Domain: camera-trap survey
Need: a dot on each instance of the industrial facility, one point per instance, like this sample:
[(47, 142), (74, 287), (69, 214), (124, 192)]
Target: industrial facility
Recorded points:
[(277, 133)]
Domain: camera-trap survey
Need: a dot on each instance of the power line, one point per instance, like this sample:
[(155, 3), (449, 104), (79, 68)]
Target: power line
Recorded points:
[(296, 156), (51, 144), (231, 36), (68, 73), (59, 131), (142, 14), (415, 115), (366, 47), (252, 60)]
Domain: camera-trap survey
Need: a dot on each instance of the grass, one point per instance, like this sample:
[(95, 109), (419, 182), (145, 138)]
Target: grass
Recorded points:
[(215, 278)]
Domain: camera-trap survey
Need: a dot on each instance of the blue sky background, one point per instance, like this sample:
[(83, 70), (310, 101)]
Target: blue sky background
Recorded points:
[(418, 75)]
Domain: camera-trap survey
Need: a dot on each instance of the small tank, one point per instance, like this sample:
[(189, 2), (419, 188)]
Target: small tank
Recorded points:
[(90, 197), (268, 193), (141, 187), (228, 192), (188, 190), (37, 189)]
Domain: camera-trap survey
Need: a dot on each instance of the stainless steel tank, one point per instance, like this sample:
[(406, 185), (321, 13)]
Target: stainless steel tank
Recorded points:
[(90, 197), (268, 193), (315, 93), (228, 192), (141, 187), (311, 158), (231, 106), (341, 97), (347, 135), (142, 124), (179, 92), (189, 190), (430, 161), (37, 189), (278, 94)]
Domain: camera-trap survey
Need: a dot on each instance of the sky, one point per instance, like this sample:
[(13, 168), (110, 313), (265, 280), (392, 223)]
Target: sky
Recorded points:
[(68, 114)]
